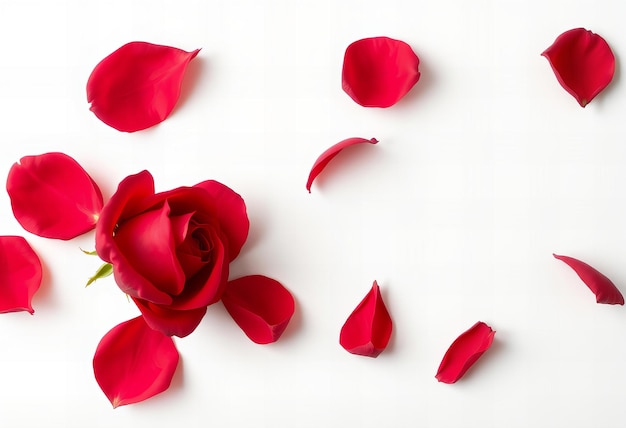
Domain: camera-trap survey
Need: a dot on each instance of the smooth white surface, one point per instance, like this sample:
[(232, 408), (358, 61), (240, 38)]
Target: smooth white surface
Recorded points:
[(484, 170)]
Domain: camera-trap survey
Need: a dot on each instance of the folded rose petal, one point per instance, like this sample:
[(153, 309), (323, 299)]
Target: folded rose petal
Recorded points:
[(368, 328), (378, 71), (330, 153), (600, 285), (20, 274), (582, 62), (261, 306), (133, 362), (53, 196), (464, 352), (138, 85)]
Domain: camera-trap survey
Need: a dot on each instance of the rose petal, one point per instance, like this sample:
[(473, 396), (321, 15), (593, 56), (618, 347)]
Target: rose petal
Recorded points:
[(464, 352), (53, 196), (20, 274), (368, 328), (138, 85), (582, 62), (379, 71), (600, 285), (231, 214), (261, 306), (330, 153), (133, 362), (169, 321)]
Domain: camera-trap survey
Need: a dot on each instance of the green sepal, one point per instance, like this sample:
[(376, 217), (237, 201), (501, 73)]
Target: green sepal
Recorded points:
[(90, 253), (103, 271)]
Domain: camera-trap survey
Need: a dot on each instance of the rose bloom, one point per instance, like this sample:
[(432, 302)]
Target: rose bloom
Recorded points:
[(170, 251)]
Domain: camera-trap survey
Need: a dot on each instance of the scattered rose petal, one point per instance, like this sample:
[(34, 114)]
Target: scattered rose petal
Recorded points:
[(379, 71), (138, 85), (602, 287), (330, 153), (261, 306), (20, 274), (368, 328), (582, 62), (464, 351), (133, 362), (53, 196)]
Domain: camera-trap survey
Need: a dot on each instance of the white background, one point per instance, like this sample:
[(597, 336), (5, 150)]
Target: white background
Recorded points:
[(484, 170)]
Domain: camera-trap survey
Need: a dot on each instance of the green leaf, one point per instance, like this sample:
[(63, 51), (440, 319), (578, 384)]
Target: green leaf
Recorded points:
[(90, 253), (103, 271)]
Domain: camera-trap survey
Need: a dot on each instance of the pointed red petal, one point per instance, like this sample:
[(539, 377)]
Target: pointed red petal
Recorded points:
[(602, 287), (368, 328), (133, 362), (330, 153), (138, 85), (261, 306), (53, 196), (379, 71), (464, 352), (582, 62), (20, 274)]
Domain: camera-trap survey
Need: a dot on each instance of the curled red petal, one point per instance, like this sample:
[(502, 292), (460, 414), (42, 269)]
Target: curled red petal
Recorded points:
[(138, 85), (598, 283), (133, 362), (464, 351), (20, 274), (53, 196), (368, 328), (170, 322), (261, 306), (582, 62), (330, 153), (379, 71)]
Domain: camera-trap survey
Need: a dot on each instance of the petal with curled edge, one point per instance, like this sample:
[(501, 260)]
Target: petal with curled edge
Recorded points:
[(20, 274), (133, 362), (52, 196), (368, 328)]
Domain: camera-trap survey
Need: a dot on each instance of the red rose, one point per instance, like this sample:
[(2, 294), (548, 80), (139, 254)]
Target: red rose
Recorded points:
[(170, 251)]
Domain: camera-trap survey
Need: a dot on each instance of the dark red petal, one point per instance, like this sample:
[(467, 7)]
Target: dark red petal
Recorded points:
[(368, 328), (20, 274), (261, 306), (464, 352), (582, 62), (378, 71), (330, 153), (168, 321), (53, 196), (602, 287), (231, 214), (138, 85), (133, 362)]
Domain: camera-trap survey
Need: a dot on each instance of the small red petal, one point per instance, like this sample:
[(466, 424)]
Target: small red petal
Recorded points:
[(368, 328), (133, 362), (379, 71), (20, 274), (582, 62), (602, 287), (330, 153), (464, 352), (53, 196), (138, 85), (261, 306)]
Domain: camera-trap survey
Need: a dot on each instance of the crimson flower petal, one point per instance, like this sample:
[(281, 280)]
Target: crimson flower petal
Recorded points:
[(261, 306), (138, 85), (53, 196), (582, 62), (368, 328), (464, 351), (133, 362), (602, 287), (170, 322), (330, 153), (379, 71), (20, 274)]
